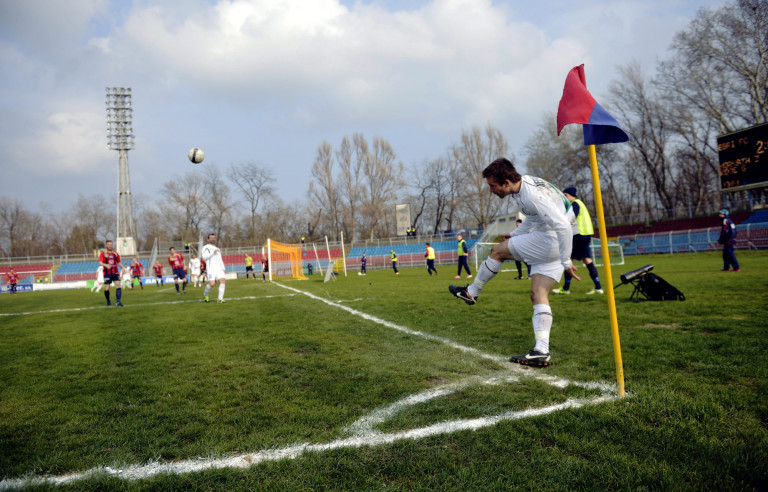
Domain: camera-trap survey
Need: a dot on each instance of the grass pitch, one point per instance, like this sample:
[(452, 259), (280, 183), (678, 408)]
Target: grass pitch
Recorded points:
[(385, 381)]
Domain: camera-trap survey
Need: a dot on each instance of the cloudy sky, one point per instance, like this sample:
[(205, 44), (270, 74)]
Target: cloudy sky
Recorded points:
[(268, 81)]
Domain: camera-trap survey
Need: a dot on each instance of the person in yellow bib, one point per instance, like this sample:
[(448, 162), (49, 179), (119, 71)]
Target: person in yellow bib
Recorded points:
[(249, 266), (430, 256), (463, 256), (393, 256), (581, 250)]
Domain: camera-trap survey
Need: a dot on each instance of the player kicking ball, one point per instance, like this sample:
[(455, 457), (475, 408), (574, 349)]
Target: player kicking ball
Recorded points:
[(543, 241), (211, 255)]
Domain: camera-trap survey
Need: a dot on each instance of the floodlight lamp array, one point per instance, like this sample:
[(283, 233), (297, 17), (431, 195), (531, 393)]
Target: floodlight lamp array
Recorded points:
[(119, 119)]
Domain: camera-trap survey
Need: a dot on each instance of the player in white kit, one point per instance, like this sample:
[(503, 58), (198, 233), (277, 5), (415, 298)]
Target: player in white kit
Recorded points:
[(194, 269), (543, 241), (215, 269)]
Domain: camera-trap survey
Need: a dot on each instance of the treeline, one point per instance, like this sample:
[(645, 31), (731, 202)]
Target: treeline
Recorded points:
[(714, 81)]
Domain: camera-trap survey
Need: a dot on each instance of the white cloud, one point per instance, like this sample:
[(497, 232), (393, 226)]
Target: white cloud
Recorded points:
[(271, 79), (68, 143)]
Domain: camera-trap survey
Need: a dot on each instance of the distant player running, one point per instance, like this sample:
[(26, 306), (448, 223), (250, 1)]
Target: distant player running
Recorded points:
[(158, 269), (194, 270), (99, 283), (216, 270), (12, 280), (137, 270), (176, 260), (110, 260), (264, 269)]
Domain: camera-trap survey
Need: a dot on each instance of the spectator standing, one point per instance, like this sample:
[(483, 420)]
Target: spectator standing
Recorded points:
[(581, 242), (728, 240), (463, 257), (393, 257)]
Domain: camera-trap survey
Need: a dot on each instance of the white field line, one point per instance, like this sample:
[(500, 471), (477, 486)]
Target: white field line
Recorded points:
[(362, 432), (89, 308)]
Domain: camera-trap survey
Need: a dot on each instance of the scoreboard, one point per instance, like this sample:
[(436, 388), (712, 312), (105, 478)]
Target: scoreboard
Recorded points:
[(743, 159)]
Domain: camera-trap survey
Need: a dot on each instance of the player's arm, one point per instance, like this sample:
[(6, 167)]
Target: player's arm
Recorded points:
[(103, 261), (206, 253)]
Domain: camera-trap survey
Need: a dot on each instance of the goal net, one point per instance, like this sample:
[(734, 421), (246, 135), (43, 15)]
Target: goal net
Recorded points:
[(615, 251), (284, 260)]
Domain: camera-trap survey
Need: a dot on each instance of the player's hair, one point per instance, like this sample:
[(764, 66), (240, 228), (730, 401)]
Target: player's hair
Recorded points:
[(171, 248), (426, 244), (211, 234), (502, 170), (107, 241)]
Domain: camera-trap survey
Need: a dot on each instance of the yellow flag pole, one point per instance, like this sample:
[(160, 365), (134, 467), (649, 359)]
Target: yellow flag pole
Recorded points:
[(608, 276)]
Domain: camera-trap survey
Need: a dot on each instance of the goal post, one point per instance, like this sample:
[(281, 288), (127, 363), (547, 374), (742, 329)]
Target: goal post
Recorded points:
[(615, 250), (284, 260)]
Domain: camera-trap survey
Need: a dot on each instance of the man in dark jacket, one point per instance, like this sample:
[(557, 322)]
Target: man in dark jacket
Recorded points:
[(728, 239)]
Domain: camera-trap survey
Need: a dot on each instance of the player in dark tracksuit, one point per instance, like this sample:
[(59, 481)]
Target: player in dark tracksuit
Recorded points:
[(728, 239)]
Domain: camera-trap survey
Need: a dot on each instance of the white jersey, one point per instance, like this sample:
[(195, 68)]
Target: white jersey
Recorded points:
[(214, 263), (100, 274), (546, 209), (127, 274), (194, 266)]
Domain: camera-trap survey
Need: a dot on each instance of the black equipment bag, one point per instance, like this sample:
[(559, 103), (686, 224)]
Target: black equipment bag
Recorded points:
[(655, 288)]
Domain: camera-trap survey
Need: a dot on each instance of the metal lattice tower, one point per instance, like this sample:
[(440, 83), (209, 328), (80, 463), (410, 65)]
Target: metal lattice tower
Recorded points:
[(120, 138)]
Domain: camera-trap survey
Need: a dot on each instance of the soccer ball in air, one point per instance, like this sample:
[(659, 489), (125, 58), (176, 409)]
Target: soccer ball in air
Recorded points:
[(196, 155)]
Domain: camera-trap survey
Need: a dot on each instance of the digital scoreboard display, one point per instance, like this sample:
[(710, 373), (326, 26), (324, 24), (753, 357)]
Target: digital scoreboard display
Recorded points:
[(743, 158)]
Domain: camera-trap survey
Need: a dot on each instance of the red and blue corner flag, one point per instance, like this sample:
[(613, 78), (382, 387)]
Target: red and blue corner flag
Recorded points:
[(578, 106)]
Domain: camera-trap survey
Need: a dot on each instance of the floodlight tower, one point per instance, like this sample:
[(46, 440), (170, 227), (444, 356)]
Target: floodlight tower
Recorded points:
[(120, 138)]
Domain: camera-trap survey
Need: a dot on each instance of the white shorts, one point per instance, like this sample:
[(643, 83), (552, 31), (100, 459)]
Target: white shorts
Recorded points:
[(195, 273), (216, 275), (541, 251)]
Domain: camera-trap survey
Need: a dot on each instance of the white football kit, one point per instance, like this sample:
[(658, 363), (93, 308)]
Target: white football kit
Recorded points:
[(214, 262), (194, 266), (545, 238)]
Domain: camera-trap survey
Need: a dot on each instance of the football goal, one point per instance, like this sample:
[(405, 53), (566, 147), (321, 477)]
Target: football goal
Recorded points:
[(285, 260)]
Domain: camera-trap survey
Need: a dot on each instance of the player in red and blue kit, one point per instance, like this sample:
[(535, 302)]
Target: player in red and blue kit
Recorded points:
[(137, 269), (158, 268), (176, 260), (110, 260), (13, 279)]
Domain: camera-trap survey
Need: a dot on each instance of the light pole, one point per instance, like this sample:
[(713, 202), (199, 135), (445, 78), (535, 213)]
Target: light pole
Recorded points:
[(120, 138)]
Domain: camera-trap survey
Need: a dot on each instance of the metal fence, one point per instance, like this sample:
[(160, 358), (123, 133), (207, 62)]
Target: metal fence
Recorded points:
[(750, 236)]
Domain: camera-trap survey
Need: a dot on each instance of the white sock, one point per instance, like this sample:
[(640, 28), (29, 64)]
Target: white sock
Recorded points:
[(488, 269), (542, 324), (221, 291), (207, 290)]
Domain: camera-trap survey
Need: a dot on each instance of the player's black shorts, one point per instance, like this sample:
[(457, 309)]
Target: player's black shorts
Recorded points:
[(111, 277), (249, 268), (137, 277), (581, 247), (179, 273)]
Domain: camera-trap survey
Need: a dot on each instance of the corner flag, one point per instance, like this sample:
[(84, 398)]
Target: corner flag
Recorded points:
[(578, 106)]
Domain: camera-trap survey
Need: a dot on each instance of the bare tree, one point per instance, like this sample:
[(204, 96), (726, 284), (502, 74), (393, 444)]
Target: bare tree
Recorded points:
[(647, 121), (719, 67), (256, 184), (11, 215), (478, 148), (218, 204), (184, 205), (350, 157), (322, 190), (383, 179)]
